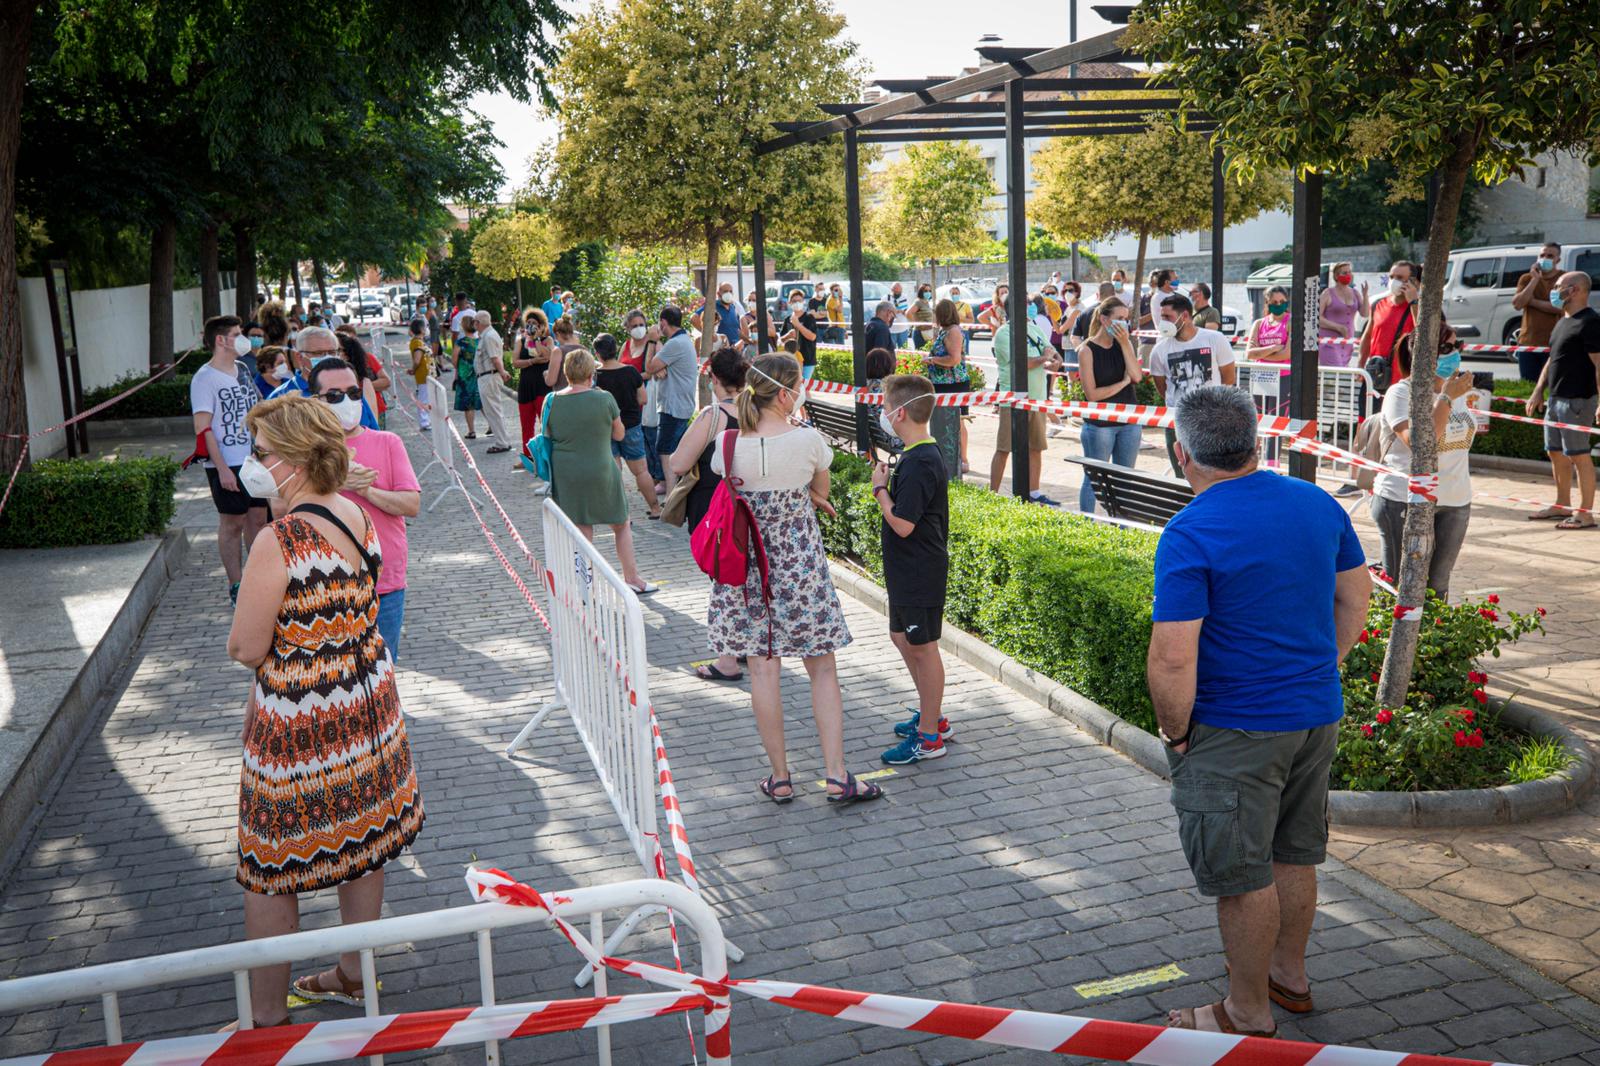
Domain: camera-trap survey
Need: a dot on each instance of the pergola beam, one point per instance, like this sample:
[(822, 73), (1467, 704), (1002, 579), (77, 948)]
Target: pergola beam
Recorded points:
[(998, 134), (953, 122), (1032, 84)]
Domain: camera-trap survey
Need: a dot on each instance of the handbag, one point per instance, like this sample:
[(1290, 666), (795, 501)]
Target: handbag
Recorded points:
[(540, 454), (675, 508), (1373, 441)]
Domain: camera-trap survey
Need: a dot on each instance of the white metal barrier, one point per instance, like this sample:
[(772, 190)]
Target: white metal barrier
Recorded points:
[(1345, 398), (443, 451), (602, 680), (109, 981)]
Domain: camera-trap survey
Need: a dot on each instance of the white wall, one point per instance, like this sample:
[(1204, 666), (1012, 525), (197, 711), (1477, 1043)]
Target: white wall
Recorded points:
[(113, 329)]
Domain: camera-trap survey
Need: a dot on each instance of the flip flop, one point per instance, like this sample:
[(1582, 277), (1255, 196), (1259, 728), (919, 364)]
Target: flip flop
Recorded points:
[(1548, 514), (710, 672), (1219, 1013), (1574, 522), (645, 589)]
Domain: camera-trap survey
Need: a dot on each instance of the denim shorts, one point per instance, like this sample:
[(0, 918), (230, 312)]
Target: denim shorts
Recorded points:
[(631, 447), (1573, 412)]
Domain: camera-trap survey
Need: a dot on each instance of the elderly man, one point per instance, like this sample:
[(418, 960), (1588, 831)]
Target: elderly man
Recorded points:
[(314, 344), (878, 335), (1261, 589), (490, 364), (1571, 377), (897, 297)]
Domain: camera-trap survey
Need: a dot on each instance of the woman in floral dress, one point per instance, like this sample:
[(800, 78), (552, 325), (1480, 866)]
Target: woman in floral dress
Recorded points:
[(782, 470), (947, 362), (466, 387)]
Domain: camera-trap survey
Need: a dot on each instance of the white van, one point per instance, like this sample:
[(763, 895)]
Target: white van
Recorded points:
[(1481, 282)]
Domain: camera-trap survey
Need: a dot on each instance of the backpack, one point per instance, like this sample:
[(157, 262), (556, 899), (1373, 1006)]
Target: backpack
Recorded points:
[(1373, 440), (727, 539), (539, 452)]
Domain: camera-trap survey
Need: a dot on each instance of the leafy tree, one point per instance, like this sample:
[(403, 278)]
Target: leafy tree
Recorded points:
[(609, 286), (874, 264), (934, 203), (516, 246), (1470, 90), (1365, 207), (1093, 188), (662, 103)]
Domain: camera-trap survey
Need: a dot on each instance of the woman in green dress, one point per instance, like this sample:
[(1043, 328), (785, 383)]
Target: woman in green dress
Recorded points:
[(466, 387), (581, 422)]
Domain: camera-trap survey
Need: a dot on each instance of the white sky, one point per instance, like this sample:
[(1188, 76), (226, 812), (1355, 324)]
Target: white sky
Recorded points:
[(927, 38)]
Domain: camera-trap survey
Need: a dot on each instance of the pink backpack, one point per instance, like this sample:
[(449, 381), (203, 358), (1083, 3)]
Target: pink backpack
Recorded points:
[(727, 539)]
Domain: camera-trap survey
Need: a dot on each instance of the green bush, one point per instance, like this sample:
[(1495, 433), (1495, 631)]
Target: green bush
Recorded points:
[(837, 364), (64, 502), (1065, 595), (166, 398)]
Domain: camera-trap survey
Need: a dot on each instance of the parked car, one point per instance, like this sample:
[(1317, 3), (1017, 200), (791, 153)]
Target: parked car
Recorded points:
[(368, 305), (1481, 282)]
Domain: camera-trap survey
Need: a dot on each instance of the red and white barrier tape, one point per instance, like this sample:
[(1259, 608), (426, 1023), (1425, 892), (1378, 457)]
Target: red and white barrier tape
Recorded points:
[(1573, 426)]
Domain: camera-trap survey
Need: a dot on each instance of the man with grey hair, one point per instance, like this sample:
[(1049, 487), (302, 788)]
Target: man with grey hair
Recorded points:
[(490, 365), (1261, 589), (878, 333), (1571, 376), (313, 344)]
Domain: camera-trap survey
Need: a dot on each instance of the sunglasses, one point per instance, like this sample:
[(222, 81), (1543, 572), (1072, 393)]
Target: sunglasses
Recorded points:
[(259, 453), (338, 395)]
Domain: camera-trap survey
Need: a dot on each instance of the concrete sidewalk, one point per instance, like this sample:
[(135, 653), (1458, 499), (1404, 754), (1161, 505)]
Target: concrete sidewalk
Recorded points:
[(1027, 864)]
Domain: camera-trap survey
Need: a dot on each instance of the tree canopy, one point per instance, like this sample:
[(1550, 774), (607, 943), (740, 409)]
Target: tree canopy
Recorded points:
[(933, 202), (516, 246)]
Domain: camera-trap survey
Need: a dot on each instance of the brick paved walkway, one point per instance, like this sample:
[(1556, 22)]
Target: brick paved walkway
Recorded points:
[(1028, 862)]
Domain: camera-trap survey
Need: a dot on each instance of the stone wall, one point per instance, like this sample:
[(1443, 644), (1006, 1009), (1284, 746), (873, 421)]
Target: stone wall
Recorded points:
[(1235, 265)]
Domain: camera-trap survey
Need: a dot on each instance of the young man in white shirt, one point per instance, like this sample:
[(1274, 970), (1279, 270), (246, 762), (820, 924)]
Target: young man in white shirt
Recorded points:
[(1186, 358), (220, 397)]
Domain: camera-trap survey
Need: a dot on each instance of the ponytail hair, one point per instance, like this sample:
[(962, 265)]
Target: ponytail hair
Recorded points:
[(1101, 310), (769, 376), (274, 323)]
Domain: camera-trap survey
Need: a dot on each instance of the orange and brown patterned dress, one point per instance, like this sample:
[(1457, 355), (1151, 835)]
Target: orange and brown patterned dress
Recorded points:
[(328, 791)]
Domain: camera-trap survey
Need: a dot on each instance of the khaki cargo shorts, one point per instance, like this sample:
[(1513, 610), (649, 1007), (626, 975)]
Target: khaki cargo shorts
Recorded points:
[(1247, 799)]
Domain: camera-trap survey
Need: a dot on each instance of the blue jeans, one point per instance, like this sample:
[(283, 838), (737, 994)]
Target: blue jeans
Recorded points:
[(899, 339), (668, 434), (1118, 443), (809, 371), (652, 461), (391, 614)]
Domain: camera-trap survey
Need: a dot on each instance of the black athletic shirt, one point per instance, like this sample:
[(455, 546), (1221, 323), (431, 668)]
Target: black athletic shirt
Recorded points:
[(916, 568), (623, 383), (1572, 373)]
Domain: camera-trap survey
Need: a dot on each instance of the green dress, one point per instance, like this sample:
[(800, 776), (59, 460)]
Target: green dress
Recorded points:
[(585, 482)]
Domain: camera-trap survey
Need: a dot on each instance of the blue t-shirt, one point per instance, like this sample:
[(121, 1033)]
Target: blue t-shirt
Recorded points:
[(552, 310), (1255, 557)]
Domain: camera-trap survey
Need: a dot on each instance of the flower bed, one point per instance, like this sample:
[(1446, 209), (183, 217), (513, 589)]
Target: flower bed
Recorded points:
[(1070, 598)]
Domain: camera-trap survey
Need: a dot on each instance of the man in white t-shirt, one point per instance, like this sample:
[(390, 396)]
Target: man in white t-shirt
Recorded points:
[(458, 315), (220, 395), (1187, 358)]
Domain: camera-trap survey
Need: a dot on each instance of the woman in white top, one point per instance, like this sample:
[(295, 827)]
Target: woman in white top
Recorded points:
[(1454, 427), (782, 470)]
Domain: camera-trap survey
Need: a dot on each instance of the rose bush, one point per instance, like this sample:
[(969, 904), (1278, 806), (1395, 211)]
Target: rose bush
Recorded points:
[(1446, 735)]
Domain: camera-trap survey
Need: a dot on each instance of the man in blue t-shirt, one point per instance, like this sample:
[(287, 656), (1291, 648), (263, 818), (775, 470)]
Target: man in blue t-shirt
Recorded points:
[(1261, 591), (553, 308)]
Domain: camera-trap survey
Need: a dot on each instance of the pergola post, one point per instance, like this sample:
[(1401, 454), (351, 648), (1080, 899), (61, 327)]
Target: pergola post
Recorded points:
[(1304, 296), (758, 245), (858, 328), (1016, 313), (1217, 226)]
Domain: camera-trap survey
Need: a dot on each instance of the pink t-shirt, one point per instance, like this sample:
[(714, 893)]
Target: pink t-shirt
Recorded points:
[(386, 453)]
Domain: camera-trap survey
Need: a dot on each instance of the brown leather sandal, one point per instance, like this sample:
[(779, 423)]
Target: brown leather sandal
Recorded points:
[(1293, 1002), (1186, 1020), (345, 991)]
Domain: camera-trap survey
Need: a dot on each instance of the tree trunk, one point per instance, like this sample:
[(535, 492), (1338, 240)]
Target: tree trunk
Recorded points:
[(708, 313), (1417, 540), (933, 275), (244, 271), (1138, 281), (16, 21), (163, 262), (520, 304), (322, 284), (210, 282)]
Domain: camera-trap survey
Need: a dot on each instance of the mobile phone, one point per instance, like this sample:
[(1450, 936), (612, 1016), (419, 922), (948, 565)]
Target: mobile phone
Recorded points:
[(1483, 379)]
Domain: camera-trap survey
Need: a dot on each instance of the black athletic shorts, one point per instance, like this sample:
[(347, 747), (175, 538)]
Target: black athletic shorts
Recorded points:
[(234, 503), (921, 625)]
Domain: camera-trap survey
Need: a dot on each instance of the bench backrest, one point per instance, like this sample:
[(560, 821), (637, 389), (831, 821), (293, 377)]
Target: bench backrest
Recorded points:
[(838, 423), (1133, 495)]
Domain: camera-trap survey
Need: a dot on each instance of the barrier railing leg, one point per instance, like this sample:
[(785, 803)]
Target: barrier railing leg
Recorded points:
[(491, 1048), (369, 994), (597, 931), (619, 934), (113, 1018), (241, 997), (533, 723)]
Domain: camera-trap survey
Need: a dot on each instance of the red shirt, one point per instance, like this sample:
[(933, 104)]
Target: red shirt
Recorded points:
[(376, 368), (627, 355), (1391, 320)]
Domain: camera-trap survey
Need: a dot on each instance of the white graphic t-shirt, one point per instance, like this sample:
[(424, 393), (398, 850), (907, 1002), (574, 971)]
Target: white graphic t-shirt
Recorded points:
[(227, 400), (1188, 365)]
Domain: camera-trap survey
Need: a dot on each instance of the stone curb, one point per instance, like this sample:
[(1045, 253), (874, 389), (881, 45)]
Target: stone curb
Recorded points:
[(122, 428), (1439, 809), (20, 798)]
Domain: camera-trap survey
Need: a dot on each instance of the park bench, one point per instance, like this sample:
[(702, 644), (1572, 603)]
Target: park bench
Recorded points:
[(838, 423), (1133, 496)]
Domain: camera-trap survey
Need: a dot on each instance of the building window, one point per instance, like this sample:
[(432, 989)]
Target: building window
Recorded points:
[(1205, 240), (1167, 246)]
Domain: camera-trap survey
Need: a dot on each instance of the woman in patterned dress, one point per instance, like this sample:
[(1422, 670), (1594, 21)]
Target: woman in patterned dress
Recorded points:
[(782, 470), (468, 398), (328, 793)]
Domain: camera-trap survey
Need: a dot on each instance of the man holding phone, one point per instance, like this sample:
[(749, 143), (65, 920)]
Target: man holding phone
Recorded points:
[(1394, 314)]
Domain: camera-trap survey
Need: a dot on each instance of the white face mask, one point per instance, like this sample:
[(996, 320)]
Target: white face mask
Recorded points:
[(349, 413), (800, 395), (797, 308), (257, 479), (886, 425), (637, 333), (1396, 286), (726, 297), (1166, 329), (241, 345)]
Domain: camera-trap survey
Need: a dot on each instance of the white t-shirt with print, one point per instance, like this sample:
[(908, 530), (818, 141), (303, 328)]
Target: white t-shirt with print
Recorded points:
[(227, 400), (1191, 364), (1455, 483)]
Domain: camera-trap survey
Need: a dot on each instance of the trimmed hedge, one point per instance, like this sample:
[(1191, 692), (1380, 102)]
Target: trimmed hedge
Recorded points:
[(60, 503), (837, 364), (1515, 440), (167, 398), (1063, 594)]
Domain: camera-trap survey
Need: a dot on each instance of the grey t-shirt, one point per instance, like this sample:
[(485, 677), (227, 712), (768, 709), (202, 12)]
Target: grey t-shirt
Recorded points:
[(677, 397)]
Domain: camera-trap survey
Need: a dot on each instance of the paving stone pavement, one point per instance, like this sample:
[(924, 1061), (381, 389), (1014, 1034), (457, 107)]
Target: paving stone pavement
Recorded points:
[(1027, 862)]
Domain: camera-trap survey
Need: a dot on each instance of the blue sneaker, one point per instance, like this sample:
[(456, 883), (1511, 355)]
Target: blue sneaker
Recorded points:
[(908, 728), (1041, 498), (914, 749)]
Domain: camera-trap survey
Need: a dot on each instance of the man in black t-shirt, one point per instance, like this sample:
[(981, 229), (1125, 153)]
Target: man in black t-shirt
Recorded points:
[(802, 329), (915, 502), (1572, 377)]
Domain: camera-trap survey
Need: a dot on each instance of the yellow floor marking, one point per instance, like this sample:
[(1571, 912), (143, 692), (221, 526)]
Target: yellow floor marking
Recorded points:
[(863, 777), (1127, 982)]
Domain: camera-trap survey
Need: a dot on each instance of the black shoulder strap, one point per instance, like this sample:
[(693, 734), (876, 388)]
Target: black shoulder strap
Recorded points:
[(373, 564)]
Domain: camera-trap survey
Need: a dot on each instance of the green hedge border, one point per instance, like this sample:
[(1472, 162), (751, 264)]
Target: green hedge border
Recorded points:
[(167, 398), (62, 503)]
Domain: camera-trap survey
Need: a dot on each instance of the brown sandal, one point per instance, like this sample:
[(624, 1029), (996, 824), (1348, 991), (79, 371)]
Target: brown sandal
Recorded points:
[(347, 992), (1219, 1013), (1293, 1002)]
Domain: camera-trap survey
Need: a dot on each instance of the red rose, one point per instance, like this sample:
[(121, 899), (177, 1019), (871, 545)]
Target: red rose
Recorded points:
[(1476, 677), (1480, 695), (1493, 598), (1476, 739), (1366, 730), (1542, 611), (1468, 715), (1461, 738), (1374, 679), (1364, 637), (1385, 716)]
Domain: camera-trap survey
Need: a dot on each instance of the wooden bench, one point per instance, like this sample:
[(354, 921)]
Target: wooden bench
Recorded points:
[(838, 423), (1134, 496)]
